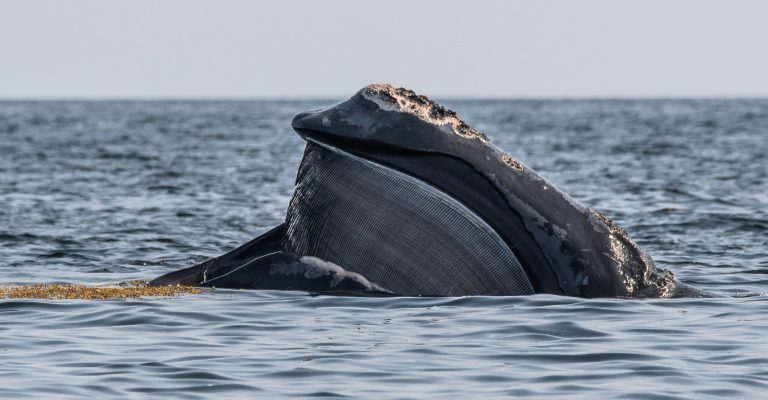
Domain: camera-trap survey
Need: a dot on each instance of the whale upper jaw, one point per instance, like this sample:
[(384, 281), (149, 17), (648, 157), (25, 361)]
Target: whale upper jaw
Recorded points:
[(379, 98), (382, 115)]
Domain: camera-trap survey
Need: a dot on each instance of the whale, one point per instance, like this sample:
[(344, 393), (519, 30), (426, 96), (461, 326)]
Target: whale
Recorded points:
[(395, 195)]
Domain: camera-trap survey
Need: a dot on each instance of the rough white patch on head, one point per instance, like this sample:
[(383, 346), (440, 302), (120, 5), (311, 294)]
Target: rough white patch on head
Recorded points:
[(620, 256), (512, 162), (383, 104), (326, 121), (389, 98), (598, 221)]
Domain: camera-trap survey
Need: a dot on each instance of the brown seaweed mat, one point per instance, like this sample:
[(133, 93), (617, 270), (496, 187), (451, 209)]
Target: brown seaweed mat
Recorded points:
[(122, 290)]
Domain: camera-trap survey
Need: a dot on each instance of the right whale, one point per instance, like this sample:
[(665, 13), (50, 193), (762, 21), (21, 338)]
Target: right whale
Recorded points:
[(395, 195)]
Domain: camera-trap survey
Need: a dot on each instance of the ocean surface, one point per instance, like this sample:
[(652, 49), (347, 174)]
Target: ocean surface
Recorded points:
[(103, 192)]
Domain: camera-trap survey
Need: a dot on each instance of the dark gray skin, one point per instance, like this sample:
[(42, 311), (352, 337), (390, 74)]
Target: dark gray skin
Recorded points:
[(564, 247)]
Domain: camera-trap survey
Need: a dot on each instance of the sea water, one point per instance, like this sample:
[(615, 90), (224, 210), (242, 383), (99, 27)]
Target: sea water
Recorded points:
[(108, 191)]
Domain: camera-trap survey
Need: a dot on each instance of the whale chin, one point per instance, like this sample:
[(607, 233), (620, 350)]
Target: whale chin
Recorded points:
[(395, 230)]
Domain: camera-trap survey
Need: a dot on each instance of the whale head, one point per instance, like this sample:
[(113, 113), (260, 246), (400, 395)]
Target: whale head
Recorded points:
[(562, 246)]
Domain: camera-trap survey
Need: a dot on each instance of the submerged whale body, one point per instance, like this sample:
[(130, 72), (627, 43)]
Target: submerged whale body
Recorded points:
[(395, 195)]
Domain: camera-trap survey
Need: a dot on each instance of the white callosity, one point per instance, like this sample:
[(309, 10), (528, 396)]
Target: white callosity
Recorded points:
[(389, 98)]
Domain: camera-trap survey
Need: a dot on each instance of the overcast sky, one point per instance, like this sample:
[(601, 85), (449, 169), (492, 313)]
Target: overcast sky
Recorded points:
[(329, 49)]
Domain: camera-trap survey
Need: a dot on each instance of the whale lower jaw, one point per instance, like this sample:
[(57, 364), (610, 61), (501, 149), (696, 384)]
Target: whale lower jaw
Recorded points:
[(395, 230)]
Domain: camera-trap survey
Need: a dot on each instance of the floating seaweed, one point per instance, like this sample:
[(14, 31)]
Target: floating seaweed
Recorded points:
[(123, 290)]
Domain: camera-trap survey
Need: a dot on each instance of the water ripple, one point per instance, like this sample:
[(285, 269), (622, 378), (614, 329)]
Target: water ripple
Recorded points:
[(96, 192)]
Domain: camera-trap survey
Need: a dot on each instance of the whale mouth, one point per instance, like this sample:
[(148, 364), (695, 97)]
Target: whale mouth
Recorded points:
[(395, 230)]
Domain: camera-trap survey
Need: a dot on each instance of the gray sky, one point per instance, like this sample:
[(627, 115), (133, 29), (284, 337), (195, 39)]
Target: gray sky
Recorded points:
[(260, 49)]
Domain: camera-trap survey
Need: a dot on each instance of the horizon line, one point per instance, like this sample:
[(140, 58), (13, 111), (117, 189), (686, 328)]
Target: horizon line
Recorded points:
[(440, 97)]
